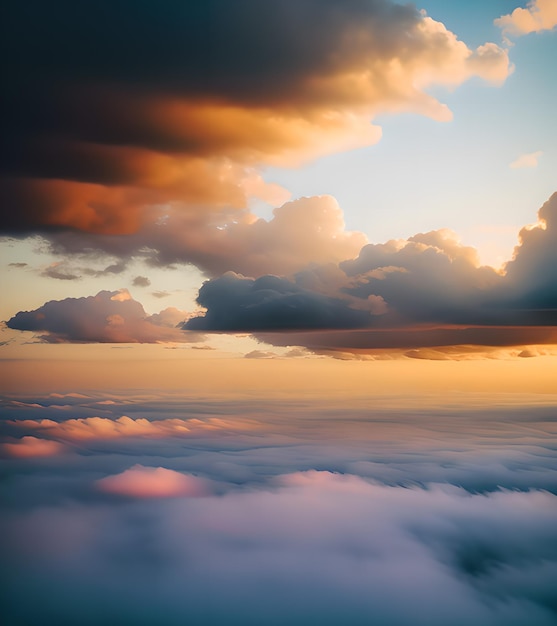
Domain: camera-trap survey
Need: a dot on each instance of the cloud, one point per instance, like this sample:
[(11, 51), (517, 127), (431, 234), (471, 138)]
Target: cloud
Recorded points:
[(307, 230), (235, 303), (69, 270), (108, 317), (389, 512), (120, 140), (428, 291), (55, 270), (31, 447), (99, 428), (538, 16), (152, 482), (141, 281), (261, 354), (526, 160), (338, 547), (531, 275)]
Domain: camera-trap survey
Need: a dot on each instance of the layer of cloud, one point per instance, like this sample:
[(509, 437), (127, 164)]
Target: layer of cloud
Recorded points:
[(480, 443), (390, 512), (98, 428), (152, 482), (121, 142), (528, 160), (337, 548), (108, 317), (539, 15)]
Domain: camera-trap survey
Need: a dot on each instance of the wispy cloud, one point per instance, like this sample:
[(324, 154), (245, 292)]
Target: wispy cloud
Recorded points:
[(527, 160)]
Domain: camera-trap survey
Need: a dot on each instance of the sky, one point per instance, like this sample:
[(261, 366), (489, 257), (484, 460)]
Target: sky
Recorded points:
[(276, 275)]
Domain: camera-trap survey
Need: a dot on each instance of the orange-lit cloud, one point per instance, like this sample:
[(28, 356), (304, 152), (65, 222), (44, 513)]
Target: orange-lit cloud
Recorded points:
[(537, 16), (30, 447), (130, 143), (152, 482), (98, 428)]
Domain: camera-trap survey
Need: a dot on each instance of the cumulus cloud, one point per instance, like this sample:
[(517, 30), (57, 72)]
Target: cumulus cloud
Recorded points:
[(108, 317), (428, 291), (424, 292), (121, 141), (539, 15), (528, 160), (235, 303), (30, 447), (152, 482), (305, 231), (531, 275)]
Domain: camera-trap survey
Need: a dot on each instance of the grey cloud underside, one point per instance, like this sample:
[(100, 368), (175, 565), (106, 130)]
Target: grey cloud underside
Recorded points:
[(271, 303)]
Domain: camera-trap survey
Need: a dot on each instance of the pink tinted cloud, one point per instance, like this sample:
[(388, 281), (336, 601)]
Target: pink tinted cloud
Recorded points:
[(152, 482), (29, 447), (91, 428)]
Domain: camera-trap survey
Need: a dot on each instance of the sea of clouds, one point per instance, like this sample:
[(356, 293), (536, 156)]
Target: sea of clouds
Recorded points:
[(158, 509)]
